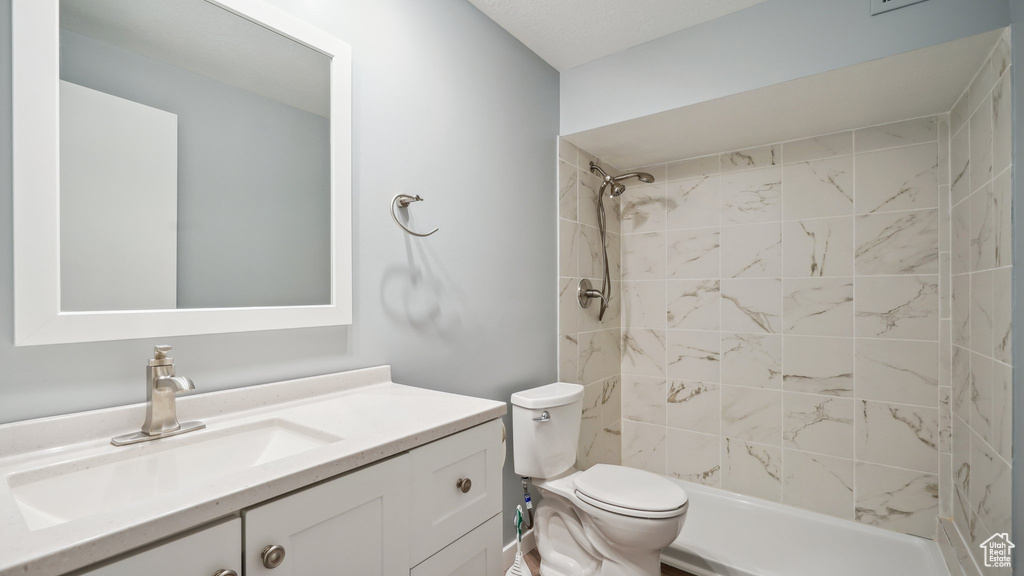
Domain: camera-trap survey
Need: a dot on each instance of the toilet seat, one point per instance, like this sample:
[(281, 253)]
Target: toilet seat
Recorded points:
[(653, 514), (629, 492)]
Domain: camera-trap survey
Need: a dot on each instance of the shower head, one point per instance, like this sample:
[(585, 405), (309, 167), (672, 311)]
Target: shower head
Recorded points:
[(616, 188), (641, 176)]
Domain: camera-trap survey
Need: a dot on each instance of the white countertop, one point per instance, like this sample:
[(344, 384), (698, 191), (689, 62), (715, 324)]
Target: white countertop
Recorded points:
[(375, 417)]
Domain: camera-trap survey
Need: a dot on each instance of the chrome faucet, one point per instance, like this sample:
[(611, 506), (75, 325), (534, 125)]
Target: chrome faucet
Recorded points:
[(161, 411)]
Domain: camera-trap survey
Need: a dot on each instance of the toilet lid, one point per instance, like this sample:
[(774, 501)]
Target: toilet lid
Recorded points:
[(629, 488)]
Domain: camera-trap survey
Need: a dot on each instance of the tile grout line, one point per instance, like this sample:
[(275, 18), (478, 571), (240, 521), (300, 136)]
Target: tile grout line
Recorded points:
[(856, 403), (668, 276), (946, 500), (721, 426), (782, 313), (664, 317), (943, 283), (853, 215)]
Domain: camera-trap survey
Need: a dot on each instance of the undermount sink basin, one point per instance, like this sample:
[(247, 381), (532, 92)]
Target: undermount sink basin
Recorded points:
[(76, 489)]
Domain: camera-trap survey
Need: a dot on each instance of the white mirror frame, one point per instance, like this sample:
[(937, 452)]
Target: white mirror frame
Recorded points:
[(38, 319)]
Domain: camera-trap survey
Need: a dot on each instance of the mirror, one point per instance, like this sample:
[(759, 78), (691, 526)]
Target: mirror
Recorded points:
[(194, 160), (181, 167)]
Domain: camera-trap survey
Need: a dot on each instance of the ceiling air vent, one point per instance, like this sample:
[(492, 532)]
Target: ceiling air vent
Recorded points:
[(879, 6)]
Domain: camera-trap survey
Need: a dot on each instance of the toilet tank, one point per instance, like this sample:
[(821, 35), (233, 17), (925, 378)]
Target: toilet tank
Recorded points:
[(545, 447)]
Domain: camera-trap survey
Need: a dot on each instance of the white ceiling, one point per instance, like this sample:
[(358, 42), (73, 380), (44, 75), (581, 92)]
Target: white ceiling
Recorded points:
[(567, 33), (919, 83), (203, 38)]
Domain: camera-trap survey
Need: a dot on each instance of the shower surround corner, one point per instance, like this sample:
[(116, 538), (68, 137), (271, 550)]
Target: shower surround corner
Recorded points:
[(588, 348)]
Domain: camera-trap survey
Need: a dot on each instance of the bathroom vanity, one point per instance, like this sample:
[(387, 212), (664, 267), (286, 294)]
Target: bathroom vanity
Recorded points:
[(345, 473)]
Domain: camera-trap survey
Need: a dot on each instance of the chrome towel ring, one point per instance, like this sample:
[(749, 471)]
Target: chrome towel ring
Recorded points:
[(403, 201)]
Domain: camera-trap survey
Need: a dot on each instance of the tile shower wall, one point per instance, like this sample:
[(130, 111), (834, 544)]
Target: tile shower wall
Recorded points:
[(588, 349), (780, 323), (980, 268)]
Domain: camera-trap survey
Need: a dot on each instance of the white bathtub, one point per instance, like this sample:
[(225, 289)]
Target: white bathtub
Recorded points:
[(728, 534)]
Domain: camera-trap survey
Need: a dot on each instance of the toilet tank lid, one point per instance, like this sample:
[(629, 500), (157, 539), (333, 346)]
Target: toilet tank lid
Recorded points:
[(549, 396)]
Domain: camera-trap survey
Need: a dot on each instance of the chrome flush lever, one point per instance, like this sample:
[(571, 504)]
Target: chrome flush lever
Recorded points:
[(544, 417)]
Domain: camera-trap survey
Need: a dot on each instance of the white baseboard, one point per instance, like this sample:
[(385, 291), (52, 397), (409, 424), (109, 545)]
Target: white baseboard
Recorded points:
[(509, 552)]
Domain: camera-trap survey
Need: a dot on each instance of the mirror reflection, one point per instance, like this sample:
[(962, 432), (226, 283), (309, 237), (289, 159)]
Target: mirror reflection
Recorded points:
[(194, 160)]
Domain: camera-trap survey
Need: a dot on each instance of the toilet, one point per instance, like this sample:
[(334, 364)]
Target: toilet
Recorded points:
[(604, 521)]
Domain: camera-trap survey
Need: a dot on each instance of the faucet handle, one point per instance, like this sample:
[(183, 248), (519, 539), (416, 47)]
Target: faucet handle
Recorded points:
[(160, 357)]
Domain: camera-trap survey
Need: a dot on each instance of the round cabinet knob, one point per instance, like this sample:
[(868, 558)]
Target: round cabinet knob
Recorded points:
[(272, 556), (225, 573), (464, 484)]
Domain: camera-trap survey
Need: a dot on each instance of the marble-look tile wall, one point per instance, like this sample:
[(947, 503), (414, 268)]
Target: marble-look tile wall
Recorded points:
[(780, 323), (588, 349), (980, 310)]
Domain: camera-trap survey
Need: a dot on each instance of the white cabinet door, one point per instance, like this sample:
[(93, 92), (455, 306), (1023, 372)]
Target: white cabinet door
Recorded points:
[(475, 554), (355, 525), (444, 507), (201, 553)]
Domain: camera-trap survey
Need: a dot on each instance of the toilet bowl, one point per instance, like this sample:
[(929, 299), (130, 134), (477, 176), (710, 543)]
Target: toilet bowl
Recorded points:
[(604, 521)]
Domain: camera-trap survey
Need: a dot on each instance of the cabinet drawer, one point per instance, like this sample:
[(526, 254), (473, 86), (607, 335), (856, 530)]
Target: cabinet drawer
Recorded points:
[(475, 554), (200, 553), (441, 510), (354, 525)]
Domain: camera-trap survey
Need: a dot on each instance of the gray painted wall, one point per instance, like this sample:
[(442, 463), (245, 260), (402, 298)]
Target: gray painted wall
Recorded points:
[(1017, 19), (444, 102), (254, 225), (772, 42)]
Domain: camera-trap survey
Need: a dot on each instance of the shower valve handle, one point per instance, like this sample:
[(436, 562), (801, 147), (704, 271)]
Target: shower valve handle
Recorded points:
[(585, 292)]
